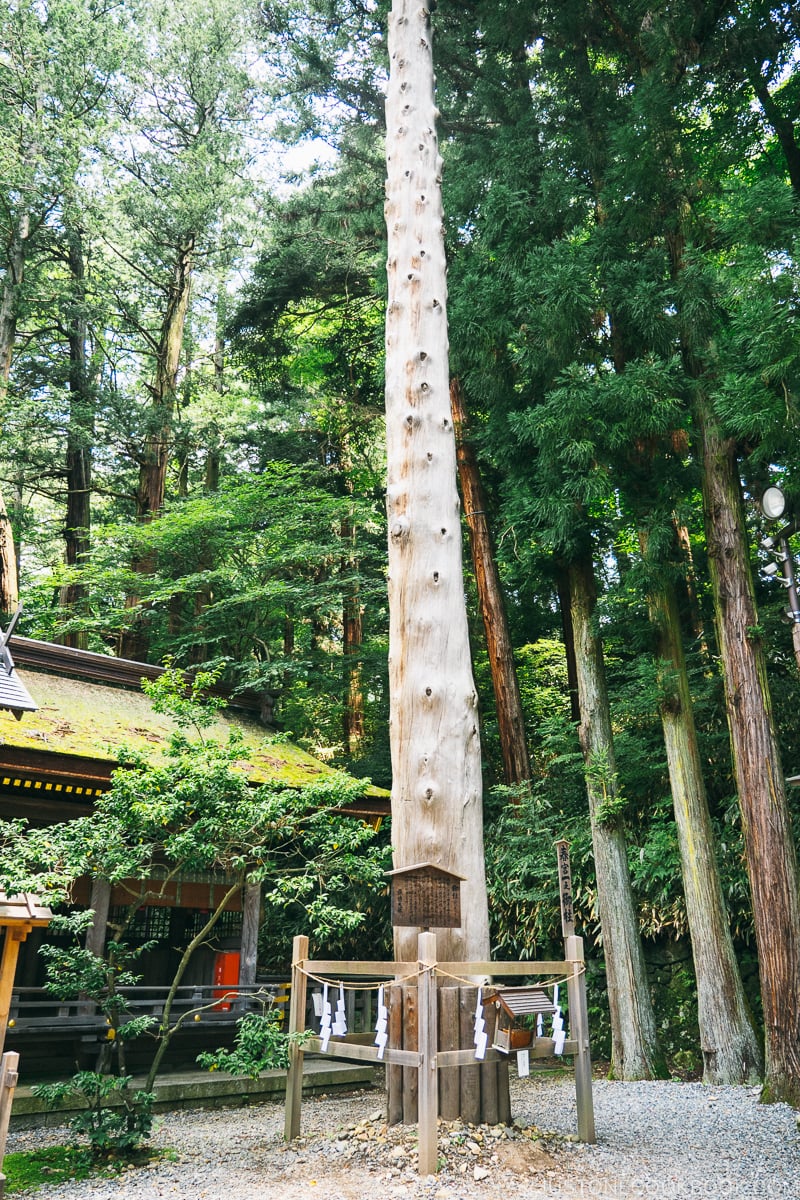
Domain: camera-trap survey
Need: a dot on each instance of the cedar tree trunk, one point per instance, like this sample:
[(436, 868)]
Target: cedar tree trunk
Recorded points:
[(153, 468), (635, 1050), (155, 455), (510, 718), (10, 287), (766, 821), (730, 1048), (80, 436), (435, 742)]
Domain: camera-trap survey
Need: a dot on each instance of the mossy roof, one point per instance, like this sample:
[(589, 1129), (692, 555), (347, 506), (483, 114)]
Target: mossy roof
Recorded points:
[(96, 721)]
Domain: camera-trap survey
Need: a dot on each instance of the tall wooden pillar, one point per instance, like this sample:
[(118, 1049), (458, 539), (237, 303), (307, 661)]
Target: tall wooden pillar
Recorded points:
[(8, 966)]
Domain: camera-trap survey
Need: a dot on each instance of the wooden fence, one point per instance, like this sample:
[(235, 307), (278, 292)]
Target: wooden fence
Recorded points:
[(432, 1055)]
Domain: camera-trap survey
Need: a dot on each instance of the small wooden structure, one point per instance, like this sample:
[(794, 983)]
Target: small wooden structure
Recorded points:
[(427, 1059), (511, 1004), (18, 916)]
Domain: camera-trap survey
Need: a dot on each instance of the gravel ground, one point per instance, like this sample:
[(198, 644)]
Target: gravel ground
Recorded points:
[(663, 1141)]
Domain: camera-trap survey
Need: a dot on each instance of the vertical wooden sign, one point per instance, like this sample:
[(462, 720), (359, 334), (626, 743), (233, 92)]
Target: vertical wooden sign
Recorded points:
[(565, 889)]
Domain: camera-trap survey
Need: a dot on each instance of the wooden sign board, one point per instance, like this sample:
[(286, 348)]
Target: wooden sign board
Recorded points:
[(426, 896), (565, 889)]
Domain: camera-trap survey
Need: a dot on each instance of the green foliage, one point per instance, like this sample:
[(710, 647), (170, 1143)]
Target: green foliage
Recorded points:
[(260, 1045), (196, 812), (675, 1002), (29, 1170), (187, 701), (113, 1120), (603, 784)]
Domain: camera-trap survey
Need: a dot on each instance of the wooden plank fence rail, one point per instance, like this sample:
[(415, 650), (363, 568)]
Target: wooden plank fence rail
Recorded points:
[(430, 1024), (541, 1048), (471, 970), (358, 1052)]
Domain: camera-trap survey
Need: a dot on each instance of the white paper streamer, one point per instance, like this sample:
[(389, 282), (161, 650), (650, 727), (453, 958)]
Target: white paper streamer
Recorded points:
[(559, 1036), (325, 1023), (340, 1021), (481, 1038), (382, 1024)]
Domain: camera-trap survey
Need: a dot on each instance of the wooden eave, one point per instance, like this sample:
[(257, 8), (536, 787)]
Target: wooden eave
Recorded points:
[(426, 866), (23, 911)]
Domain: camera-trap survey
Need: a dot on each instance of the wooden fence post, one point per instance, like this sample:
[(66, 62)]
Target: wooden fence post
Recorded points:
[(297, 1023), (428, 1105), (489, 1090), (579, 1029), (8, 1081)]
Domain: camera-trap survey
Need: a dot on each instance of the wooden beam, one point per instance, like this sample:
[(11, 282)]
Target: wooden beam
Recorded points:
[(8, 965), (340, 970), (361, 1053), (465, 970), (541, 1048)]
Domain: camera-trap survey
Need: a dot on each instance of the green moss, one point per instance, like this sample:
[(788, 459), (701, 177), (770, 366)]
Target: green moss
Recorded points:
[(95, 721), (31, 1169)]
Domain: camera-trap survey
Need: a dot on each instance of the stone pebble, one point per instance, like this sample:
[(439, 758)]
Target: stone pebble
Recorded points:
[(656, 1141)]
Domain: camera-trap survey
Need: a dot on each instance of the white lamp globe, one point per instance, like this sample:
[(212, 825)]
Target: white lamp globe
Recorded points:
[(773, 503)]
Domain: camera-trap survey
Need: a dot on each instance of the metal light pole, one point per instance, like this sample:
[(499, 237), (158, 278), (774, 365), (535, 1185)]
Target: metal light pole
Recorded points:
[(773, 506)]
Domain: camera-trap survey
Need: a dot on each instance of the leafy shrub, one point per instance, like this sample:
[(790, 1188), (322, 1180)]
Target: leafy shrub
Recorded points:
[(114, 1120), (260, 1045)]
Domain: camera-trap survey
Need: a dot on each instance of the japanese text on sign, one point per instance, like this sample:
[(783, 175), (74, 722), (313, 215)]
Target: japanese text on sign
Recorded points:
[(426, 900), (565, 889)]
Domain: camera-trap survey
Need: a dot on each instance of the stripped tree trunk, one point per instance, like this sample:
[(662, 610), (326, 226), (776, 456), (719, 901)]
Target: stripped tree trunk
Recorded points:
[(635, 1050), (766, 821), (435, 743), (730, 1047), (510, 718)]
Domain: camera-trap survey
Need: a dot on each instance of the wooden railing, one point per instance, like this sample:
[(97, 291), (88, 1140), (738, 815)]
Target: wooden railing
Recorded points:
[(33, 1009)]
